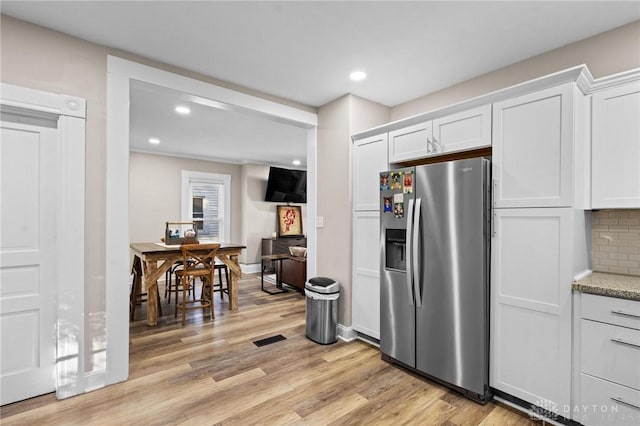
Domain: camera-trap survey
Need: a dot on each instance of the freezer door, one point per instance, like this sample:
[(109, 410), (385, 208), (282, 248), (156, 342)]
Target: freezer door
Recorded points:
[(452, 323), (397, 306)]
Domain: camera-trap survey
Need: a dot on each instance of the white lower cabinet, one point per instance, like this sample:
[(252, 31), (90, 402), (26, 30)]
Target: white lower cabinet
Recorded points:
[(607, 403), (366, 273), (532, 270), (609, 391)]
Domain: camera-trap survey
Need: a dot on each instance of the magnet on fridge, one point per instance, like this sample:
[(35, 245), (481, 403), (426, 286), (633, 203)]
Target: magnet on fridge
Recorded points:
[(398, 210), (396, 180), (388, 205), (384, 181), (408, 183)]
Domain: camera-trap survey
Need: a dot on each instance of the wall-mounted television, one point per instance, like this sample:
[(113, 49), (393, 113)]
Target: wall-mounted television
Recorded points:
[(286, 185)]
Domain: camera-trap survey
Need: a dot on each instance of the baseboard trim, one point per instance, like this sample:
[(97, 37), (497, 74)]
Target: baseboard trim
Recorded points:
[(534, 412), (346, 334), (250, 268)]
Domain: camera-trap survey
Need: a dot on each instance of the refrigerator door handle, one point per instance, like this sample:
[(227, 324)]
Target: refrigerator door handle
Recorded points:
[(409, 260), (415, 264)]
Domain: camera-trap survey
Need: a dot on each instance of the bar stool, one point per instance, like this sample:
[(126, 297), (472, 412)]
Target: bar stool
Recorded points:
[(198, 261), (219, 266)]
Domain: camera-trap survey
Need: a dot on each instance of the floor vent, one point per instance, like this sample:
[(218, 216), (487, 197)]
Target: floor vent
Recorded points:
[(269, 340)]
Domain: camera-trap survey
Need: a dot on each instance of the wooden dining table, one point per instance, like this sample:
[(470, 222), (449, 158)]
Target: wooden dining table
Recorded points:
[(154, 259)]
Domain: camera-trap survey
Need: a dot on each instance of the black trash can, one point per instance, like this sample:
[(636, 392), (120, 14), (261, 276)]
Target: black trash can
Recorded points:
[(322, 309)]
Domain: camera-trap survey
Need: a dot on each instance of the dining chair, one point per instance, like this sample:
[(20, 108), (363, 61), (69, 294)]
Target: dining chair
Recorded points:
[(198, 261), (172, 286)]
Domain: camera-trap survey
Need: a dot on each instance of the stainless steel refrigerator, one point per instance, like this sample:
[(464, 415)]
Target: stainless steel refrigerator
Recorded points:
[(434, 292)]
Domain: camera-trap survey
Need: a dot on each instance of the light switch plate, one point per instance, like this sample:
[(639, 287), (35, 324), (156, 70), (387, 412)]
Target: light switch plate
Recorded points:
[(319, 221)]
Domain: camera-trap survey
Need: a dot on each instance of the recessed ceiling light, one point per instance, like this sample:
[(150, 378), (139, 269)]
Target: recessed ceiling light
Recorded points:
[(296, 162), (358, 75), (154, 141), (182, 110)]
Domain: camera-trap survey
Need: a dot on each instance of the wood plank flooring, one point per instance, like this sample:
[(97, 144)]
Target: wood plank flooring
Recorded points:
[(211, 373)]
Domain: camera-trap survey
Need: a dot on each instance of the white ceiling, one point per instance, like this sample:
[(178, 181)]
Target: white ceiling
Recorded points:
[(304, 51), (211, 131)]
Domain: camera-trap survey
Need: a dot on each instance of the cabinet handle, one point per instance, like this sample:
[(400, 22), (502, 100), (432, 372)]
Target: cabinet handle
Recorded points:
[(429, 146), (624, 342), (626, 314), (494, 194), (435, 144), (622, 401), (493, 227)]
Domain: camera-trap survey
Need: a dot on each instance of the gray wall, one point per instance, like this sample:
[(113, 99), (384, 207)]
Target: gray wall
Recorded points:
[(258, 217), (338, 120), (155, 193), (608, 53)]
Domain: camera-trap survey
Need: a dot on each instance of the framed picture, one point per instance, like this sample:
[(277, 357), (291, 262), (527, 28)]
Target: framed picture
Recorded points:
[(289, 221)]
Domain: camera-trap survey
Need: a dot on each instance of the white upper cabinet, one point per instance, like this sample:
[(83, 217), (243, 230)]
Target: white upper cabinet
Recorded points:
[(533, 149), (616, 148), (410, 142), (369, 159), (462, 131)]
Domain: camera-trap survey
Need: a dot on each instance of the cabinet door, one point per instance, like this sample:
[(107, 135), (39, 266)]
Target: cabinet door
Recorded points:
[(531, 280), (463, 131), (616, 148), (369, 159), (533, 149), (410, 143), (366, 273)]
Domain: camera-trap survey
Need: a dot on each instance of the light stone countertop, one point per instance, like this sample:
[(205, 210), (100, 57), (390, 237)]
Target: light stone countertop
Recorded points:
[(612, 285)]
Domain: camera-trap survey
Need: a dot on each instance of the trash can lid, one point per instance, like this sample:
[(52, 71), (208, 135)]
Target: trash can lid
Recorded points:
[(322, 281), (322, 285)]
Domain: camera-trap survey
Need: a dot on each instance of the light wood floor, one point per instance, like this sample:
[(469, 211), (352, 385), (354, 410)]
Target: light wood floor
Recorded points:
[(211, 373)]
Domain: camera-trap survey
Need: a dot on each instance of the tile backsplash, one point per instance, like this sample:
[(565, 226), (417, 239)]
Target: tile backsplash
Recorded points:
[(615, 241)]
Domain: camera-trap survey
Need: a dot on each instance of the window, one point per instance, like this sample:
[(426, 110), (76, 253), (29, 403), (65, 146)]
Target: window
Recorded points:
[(206, 200)]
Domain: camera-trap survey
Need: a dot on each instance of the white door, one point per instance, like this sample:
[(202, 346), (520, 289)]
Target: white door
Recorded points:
[(28, 169), (366, 273), (533, 149), (463, 131), (410, 142), (616, 148), (531, 279), (369, 159)]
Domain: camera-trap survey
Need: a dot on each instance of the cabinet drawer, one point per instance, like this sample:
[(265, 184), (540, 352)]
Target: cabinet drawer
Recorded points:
[(605, 403), (611, 353), (611, 310)]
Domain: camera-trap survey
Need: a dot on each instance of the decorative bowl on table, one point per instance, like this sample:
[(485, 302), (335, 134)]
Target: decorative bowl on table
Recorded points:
[(298, 251)]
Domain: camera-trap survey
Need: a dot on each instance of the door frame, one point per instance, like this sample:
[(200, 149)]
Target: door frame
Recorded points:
[(120, 72), (70, 209)]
